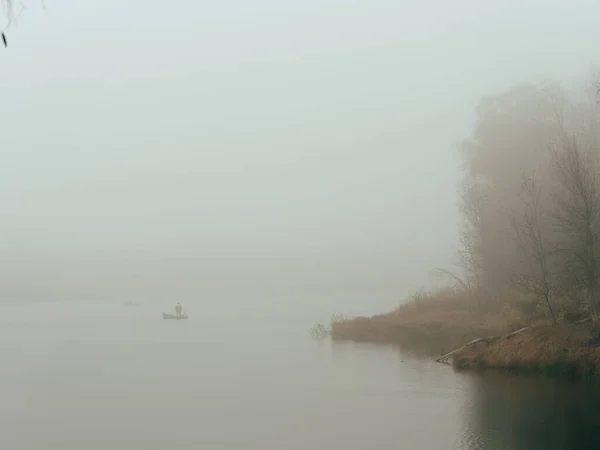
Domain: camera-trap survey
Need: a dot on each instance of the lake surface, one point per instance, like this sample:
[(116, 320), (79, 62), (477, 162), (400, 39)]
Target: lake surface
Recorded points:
[(89, 376)]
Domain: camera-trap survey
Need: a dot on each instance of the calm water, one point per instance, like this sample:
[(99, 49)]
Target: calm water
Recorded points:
[(112, 377)]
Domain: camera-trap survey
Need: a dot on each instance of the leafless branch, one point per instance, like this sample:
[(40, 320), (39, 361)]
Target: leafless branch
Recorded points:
[(8, 6), (453, 276), (576, 216), (534, 276)]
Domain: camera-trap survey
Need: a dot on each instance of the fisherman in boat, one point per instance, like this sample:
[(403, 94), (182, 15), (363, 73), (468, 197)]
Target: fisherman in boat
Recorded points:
[(178, 309)]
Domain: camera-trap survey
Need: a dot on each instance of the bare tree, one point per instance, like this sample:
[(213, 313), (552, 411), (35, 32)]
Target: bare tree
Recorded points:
[(468, 274), (460, 280), (576, 214), (533, 277), (469, 262)]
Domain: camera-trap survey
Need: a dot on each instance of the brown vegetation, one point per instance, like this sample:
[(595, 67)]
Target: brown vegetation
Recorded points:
[(430, 323), (529, 241), (568, 352)]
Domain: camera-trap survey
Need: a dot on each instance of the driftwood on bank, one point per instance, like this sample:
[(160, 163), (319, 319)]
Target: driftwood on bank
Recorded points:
[(580, 322), (446, 359)]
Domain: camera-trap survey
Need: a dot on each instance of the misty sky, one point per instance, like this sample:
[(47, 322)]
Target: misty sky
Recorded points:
[(316, 131)]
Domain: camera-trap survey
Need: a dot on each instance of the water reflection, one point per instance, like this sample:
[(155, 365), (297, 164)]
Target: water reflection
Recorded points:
[(466, 411), (515, 413), (118, 380)]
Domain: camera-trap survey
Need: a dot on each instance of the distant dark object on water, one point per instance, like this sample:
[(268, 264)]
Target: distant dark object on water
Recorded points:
[(174, 316), (4, 39)]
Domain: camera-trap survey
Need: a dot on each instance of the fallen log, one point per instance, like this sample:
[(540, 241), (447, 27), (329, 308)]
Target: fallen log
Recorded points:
[(579, 322), (445, 359), (509, 335)]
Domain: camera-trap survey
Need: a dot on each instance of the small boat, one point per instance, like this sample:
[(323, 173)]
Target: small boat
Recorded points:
[(174, 316)]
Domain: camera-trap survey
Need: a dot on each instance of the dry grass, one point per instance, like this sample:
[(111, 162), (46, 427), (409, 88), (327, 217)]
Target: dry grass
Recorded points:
[(567, 352), (431, 323), (438, 322)]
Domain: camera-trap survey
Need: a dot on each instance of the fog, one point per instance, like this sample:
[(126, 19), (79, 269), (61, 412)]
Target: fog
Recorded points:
[(271, 163), (257, 149)]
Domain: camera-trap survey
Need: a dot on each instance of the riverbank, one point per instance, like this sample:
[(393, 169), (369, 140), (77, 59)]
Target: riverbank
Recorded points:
[(429, 323), (563, 351), (437, 323)]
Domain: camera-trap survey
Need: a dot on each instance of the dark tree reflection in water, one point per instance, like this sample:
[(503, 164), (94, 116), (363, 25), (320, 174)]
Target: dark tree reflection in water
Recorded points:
[(517, 413)]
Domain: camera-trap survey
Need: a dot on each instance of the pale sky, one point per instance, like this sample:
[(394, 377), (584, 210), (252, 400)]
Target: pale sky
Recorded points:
[(318, 132)]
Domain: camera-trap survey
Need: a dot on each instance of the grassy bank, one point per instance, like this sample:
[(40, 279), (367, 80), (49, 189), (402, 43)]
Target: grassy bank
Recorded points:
[(563, 351), (428, 323), (438, 322)]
